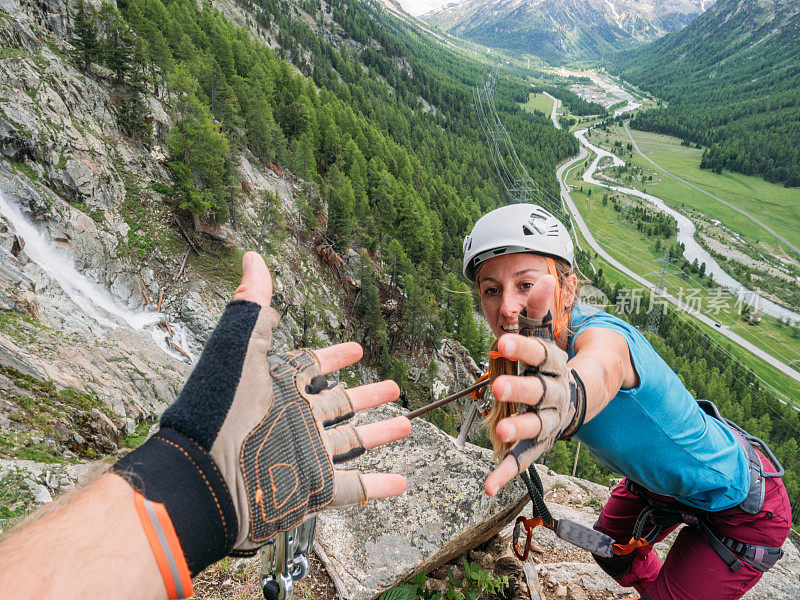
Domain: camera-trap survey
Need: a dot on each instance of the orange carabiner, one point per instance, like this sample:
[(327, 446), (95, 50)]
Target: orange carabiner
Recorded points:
[(634, 544), (528, 524)]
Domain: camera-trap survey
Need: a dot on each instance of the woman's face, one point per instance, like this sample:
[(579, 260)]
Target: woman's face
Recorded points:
[(504, 283)]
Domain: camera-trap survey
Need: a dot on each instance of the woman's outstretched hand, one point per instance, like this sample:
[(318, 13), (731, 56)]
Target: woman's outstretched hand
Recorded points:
[(525, 428)]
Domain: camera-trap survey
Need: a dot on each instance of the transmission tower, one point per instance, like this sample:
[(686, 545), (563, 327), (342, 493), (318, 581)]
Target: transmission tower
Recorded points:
[(520, 186), (654, 316)]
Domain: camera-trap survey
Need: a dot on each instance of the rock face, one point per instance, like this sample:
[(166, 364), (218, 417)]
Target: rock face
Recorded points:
[(443, 513), (70, 392)]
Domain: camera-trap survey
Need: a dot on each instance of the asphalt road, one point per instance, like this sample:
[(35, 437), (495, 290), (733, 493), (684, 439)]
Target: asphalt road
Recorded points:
[(556, 105), (724, 330)]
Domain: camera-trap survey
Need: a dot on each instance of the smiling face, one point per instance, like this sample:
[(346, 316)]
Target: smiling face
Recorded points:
[(504, 283)]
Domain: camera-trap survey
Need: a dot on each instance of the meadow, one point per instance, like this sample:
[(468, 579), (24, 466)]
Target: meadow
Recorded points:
[(638, 252), (540, 102), (775, 205)]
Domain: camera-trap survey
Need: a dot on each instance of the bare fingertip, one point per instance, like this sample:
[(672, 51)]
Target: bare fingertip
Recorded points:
[(401, 424)]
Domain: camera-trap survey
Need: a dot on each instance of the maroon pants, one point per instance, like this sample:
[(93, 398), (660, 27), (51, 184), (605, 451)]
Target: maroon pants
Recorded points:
[(692, 569)]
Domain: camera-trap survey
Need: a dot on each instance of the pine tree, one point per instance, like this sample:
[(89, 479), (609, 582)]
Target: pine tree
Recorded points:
[(341, 204), (398, 266), (264, 137), (135, 110), (369, 306), (198, 152), (118, 45), (468, 332), (85, 34), (419, 312)]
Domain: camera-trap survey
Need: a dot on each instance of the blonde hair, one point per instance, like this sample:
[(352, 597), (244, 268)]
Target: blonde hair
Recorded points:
[(499, 365)]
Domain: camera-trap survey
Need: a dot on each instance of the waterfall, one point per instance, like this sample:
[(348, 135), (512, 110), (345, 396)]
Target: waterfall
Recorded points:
[(96, 302)]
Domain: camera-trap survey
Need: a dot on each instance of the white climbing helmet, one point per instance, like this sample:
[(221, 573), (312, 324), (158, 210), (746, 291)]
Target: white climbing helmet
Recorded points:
[(516, 228)]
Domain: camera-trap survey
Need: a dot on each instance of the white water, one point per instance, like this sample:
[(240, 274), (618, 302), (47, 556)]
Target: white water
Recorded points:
[(94, 300), (686, 229)]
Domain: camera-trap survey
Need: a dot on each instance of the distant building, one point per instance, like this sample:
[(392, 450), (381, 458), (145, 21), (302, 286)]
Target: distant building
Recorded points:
[(755, 318)]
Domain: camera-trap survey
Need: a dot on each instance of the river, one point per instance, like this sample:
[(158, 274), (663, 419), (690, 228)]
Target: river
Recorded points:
[(93, 299), (686, 228)]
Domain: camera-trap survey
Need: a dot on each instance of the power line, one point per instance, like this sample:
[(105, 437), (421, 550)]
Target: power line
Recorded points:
[(654, 318), (518, 184)]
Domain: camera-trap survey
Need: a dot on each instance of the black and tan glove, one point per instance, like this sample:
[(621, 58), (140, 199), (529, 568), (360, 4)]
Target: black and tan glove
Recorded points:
[(248, 448), (563, 405)]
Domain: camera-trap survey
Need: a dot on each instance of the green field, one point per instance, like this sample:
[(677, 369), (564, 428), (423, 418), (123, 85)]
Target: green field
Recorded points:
[(783, 384), (539, 102), (637, 251), (774, 205)]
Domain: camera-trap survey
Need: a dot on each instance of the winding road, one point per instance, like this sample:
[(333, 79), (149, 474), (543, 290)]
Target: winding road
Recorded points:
[(587, 234), (702, 191), (554, 112)]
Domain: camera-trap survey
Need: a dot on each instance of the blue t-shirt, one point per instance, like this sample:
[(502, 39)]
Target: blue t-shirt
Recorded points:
[(656, 434)]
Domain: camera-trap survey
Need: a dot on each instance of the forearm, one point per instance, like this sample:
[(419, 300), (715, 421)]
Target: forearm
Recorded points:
[(89, 545), (602, 379)]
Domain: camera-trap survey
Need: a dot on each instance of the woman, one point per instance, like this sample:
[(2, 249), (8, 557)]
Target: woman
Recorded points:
[(599, 380)]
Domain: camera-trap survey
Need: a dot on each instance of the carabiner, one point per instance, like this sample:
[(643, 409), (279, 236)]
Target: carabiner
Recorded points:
[(528, 524), (634, 544)]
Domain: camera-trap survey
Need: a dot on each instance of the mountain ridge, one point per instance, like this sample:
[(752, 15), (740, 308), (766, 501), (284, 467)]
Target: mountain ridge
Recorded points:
[(560, 30)]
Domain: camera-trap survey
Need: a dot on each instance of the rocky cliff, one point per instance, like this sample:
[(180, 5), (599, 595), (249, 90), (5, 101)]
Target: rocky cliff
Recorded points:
[(106, 294)]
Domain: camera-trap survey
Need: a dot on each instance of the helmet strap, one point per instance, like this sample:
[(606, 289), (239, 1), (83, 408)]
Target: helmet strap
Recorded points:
[(561, 315)]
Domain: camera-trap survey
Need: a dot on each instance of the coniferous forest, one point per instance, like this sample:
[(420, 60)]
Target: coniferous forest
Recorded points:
[(381, 127), (731, 81)]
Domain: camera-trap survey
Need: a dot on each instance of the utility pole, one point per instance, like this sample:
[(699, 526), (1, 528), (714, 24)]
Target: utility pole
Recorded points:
[(654, 316)]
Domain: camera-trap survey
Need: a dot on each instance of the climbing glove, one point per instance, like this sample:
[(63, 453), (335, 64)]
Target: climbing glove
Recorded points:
[(248, 448), (562, 407)]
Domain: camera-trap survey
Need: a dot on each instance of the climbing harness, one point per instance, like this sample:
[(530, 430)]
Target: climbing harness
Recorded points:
[(284, 560), (662, 514)]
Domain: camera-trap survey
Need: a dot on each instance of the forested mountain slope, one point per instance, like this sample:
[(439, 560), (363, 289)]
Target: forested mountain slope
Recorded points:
[(563, 30), (732, 82), (379, 122), (156, 141)]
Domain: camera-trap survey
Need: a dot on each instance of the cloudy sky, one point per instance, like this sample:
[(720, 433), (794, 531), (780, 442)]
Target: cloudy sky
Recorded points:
[(419, 7)]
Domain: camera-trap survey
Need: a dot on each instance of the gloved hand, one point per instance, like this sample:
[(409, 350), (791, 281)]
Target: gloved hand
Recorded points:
[(551, 407), (563, 403), (249, 447)]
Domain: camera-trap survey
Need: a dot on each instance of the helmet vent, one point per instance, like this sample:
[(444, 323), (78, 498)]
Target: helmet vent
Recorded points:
[(499, 251), (526, 230)]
